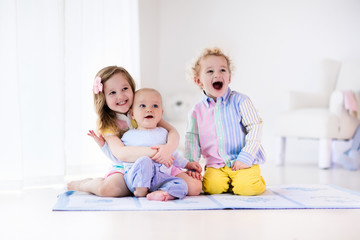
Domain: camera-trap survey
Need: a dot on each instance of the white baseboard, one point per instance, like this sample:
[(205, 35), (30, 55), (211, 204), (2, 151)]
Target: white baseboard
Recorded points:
[(18, 184)]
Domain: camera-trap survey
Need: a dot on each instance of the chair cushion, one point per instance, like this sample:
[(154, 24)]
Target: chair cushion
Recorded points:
[(308, 123)]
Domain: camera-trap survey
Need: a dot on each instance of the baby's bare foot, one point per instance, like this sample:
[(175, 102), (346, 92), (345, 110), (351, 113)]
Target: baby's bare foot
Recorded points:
[(76, 185), (159, 196), (141, 191)]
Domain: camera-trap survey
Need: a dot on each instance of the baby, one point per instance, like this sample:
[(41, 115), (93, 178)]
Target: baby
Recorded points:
[(146, 177)]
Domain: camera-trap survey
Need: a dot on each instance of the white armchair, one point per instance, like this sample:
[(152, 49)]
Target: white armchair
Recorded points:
[(321, 116)]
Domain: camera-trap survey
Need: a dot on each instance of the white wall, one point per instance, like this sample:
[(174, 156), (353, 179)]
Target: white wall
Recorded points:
[(276, 46)]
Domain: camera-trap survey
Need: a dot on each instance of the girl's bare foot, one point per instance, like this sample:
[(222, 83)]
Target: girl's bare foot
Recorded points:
[(159, 196), (76, 185)]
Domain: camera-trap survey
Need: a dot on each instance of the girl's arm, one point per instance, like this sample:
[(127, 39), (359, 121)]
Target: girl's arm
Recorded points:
[(165, 152), (99, 139), (127, 153)]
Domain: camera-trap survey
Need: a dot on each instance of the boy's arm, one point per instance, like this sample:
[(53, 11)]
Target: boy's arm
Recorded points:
[(253, 124), (127, 153), (192, 142)]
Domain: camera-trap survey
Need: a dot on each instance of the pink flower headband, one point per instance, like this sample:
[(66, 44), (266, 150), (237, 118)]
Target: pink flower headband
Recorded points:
[(98, 87)]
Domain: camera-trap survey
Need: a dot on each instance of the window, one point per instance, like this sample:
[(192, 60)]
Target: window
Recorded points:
[(50, 53)]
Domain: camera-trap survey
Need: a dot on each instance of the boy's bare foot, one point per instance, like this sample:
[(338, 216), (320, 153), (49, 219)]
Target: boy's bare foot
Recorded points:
[(159, 196), (76, 185)]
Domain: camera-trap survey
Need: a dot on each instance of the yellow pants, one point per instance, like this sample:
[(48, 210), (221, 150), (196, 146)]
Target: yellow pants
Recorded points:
[(247, 182)]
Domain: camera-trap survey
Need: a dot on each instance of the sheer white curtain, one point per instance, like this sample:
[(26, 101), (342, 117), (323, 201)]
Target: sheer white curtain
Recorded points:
[(98, 34), (50, 51)]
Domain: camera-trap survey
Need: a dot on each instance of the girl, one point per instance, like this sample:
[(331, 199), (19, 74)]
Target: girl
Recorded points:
[(113, 96)]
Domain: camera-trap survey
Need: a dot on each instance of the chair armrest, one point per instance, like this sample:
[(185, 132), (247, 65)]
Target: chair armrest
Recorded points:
[(307, 100), (336, 103)]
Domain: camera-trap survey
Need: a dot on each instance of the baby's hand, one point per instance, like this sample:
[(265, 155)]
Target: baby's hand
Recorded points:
[(239, 165), (194, 174), (194, 166), (98, 139), (163, 155)]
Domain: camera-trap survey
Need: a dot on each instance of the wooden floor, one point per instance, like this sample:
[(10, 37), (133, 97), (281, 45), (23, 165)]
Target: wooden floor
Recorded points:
[(28, 215)]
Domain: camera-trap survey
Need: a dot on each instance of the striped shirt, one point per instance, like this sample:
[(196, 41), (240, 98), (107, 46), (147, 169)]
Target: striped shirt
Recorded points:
[(224, 131)]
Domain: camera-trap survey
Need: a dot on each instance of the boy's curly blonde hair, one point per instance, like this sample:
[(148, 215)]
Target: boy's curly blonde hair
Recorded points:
[(214, 51)]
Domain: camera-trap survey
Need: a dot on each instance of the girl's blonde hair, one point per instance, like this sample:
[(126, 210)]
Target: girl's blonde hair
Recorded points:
[(214, 51), (106, 116)]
